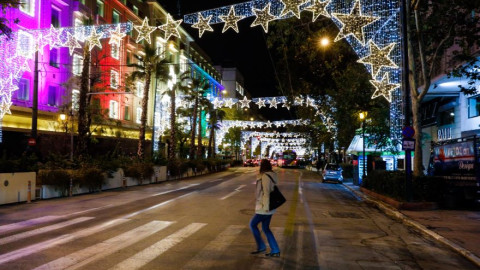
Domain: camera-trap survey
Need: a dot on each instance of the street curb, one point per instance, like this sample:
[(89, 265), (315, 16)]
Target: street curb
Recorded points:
[(419, 227)]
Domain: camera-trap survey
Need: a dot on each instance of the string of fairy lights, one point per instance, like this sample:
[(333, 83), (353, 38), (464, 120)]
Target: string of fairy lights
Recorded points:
[(371, 27)]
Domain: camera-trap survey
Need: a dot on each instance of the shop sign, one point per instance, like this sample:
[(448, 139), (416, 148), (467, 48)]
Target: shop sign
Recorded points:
[(444, 134)]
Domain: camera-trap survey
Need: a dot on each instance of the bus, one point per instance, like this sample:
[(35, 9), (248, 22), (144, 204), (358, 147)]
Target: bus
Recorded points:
[(287, 159)]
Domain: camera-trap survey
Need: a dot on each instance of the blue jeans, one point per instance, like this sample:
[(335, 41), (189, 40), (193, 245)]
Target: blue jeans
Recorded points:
[(265, 220)]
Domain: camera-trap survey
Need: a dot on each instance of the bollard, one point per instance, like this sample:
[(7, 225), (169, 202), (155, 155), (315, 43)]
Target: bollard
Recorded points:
[(29, 193)]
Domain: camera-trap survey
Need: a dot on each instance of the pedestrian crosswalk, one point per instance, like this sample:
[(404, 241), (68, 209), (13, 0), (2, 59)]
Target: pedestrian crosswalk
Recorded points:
[(120, 236)]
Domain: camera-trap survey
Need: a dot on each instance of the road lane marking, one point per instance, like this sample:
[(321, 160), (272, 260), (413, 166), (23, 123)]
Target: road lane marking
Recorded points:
[(19, 253), (149, 254), (27, 223), (213, 252), (173, 190), (85, 256), (88, 210), (233, 192), (27, 234), (157, 205)]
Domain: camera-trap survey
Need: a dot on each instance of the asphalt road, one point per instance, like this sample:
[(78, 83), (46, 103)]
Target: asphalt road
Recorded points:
[(202, 223)]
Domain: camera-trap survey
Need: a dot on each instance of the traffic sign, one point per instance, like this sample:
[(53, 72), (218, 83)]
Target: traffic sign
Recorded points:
[(408, 144), (408, 132)]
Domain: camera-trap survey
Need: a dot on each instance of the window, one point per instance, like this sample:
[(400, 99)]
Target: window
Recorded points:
[(127, 113), (75, 99), (474, 106), (183, 63), (139, 86), (54, 57), (446, 117), (25, 44), (114, 79), (23, 89), (100, 8), (114, 51), (55, 18), (115, 17), (113, 109), (28, 7), (139, 115), (52, 96), (77, 64)]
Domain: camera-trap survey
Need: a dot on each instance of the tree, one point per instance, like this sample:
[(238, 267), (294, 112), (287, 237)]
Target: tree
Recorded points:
[(198, 89), (149, 64), (216, 116), (438, 26), (4, 5), (203, 102)]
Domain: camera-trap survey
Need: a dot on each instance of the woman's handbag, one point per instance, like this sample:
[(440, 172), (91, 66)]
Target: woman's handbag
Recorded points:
[(276, 197)]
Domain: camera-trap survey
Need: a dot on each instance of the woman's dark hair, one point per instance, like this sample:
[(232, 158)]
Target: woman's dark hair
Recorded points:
[(265, 166)]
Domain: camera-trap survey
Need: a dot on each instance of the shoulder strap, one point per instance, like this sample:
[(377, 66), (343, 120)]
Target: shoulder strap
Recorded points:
[(270, 178)]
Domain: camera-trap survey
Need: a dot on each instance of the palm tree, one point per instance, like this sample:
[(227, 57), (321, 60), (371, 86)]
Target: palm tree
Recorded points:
[(216, 116), (148, 65), (199, 87), (203, 102)]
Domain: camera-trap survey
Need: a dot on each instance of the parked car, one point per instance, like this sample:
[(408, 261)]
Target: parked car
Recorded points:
[(249, 163), (332, 172)]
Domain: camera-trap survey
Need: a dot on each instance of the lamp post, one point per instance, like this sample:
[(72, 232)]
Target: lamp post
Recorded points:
[(363, 117)]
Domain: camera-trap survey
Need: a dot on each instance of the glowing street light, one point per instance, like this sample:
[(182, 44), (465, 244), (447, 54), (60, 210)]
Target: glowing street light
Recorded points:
[(324, 42)]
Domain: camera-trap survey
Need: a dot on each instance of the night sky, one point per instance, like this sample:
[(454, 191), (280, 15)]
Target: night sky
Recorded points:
[(246, 50)]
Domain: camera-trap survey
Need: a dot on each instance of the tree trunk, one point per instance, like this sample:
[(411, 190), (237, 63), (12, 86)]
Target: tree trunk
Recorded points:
[(210, 140), (199, 142), (171, 146), (82, 104), (194, 127), (143, 118)]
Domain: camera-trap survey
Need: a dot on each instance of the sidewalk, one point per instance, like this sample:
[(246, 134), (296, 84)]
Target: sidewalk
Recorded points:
[(457, 229)]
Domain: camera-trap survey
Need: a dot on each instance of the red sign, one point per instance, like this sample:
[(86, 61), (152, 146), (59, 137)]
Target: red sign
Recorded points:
[(32, 142)]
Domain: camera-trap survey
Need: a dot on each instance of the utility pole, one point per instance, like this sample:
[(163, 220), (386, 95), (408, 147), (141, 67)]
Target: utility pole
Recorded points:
[(34, 104)]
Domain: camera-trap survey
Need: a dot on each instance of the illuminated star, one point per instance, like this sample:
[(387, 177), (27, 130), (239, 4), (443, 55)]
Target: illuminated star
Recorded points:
[(273, 103), (310, 102), (144, 31), (203, 24), (384, 87), (5, 107), (291, 6), (286, 105), (7, 87), (263, 17), (261, 103), (269, 124), (231, 20), (41, 43), (245, 102), (378, 58), (318, 8), (94, 39), (229, 103), (116, 36), (170, 27), (353, 23), (217, 103), (71, 43), (53, 37)]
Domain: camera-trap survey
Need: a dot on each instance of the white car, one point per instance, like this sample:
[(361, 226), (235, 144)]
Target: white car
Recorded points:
[(332, 172)]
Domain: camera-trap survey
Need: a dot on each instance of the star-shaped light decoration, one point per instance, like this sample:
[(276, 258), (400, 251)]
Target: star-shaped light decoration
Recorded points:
[(170, 27), (353, 23), (318, 8), (378, 58), (71, 43), (5, 107), (94, 39), (231, 20), (217, 103), (261, 103), (298, 101), (269, 124), (229, 103), (291, 6), (263, 17), (310, 102), (318, 113), (7, 87), (53, 37), (384, 87), (116, 36), (144, 31), (203, 24), (273, 103), (286, 105), (40, 43), (245, 102)]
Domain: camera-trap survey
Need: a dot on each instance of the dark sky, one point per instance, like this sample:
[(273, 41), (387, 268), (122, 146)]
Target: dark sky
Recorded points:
[(246, 50)]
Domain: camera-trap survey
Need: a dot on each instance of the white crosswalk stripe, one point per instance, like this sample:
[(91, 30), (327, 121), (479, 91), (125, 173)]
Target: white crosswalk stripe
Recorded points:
[(85, 256), (19, 253), (27, 223), (27, 234), (213, 251), (149, 254)]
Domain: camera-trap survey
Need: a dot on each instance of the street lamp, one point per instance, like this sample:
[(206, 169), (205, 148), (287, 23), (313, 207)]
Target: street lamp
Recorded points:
[(363, 117), (324, 42)]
